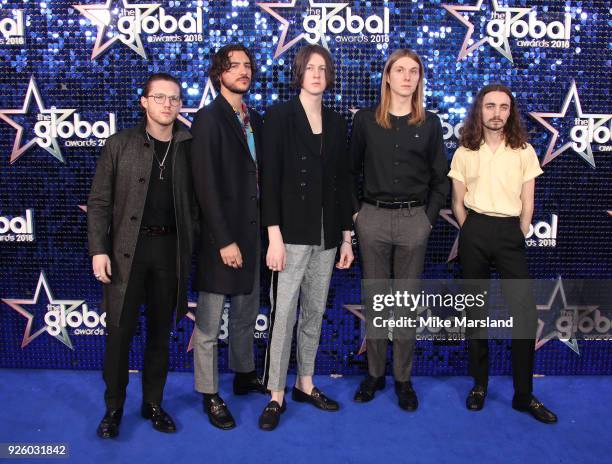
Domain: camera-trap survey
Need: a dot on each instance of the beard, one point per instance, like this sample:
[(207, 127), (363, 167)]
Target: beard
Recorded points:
[(494, 125), (235, 89)]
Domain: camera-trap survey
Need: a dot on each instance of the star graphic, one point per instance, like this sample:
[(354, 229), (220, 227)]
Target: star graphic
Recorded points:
[(578, 313), (357, 310), (102, 15), (83, 208), (208, 94), (283, 44), (512, 15), (447, 215), (60, 115), (551, 153), (17, 304)]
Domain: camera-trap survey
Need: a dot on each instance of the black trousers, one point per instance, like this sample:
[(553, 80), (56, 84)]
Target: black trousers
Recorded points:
[(153, 281), (487, 241)]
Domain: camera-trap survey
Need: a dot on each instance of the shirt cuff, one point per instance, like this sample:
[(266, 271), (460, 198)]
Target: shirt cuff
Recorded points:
[(532, 174), (456, 175)]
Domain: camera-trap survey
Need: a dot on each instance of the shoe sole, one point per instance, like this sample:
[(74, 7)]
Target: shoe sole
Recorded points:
[(534, 416), (220, 427)]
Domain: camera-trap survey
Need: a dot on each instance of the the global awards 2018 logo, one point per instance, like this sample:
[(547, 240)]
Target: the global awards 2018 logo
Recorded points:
[(53, 125), (583, 131), (12, 29), (58, 317), (507, 27), (122, 22), (317, 22)]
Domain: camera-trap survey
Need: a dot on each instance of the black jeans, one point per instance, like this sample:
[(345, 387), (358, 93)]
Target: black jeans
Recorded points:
[(486, 241), (153, 281)]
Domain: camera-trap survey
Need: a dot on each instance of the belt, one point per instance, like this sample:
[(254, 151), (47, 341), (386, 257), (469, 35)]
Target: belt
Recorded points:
[(155, 231), (394, 204)]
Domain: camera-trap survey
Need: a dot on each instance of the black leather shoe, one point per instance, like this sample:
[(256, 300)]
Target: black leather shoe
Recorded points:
[(367, 389), (217, 412), (316, 398), (270, 417), (407, 398), (109, 426), (536, 409), (161, 420), (247, 382), (476, 398)]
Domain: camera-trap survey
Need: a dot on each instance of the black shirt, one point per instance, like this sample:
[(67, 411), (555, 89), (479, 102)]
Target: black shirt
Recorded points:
[(404, 163), (159, 206)]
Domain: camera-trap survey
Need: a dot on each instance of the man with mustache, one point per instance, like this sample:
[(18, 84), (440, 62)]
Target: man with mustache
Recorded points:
[(225, 154), (493, 174)]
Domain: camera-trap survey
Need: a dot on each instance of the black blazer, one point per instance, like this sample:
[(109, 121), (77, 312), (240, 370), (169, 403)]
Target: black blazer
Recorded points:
[(225, 183), (299, 179)]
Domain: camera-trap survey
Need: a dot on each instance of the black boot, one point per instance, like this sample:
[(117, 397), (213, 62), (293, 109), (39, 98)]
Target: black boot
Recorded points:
[(247, 382), (161, 420), (406, 396), (368, 387), (109, 426)]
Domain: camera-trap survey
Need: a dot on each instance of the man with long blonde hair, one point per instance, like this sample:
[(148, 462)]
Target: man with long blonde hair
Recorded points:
[(398, 147)]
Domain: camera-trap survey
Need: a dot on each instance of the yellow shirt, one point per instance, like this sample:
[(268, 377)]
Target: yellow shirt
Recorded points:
[(494, 180)]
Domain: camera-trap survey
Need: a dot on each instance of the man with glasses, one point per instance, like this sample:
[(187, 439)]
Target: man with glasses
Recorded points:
[(139, 221), (225, 159)]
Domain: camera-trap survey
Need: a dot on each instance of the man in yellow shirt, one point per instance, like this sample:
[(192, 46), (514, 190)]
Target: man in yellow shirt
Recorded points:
[(493, 174)]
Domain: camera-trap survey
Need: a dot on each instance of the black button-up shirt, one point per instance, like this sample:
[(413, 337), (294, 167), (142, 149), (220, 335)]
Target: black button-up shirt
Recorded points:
[(404, 163)]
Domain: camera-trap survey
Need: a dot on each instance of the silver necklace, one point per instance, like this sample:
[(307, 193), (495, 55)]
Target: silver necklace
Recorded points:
[(162, 164)]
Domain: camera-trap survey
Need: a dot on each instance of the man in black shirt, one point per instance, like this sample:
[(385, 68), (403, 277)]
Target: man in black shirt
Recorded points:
[(399, 150), (139, 221)]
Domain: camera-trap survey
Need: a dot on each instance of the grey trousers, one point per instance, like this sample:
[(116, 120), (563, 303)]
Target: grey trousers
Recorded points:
[(243, 313), (392, 243), (306, 275)]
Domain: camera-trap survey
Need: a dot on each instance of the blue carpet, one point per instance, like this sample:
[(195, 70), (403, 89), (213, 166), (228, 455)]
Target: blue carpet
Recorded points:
[(65, 407)]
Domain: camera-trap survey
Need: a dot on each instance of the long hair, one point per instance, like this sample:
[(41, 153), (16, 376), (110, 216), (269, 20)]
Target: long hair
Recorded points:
[(472, 133), (382, 110), (301, 61)]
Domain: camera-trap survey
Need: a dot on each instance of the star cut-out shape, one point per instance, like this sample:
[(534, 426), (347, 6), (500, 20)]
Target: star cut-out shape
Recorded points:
[(541, 117), (504, 48), (447, 215), (357, 310), (208, 94), (18, 148), (578, 313), (18, 305), (101, 15), (283, 43)]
